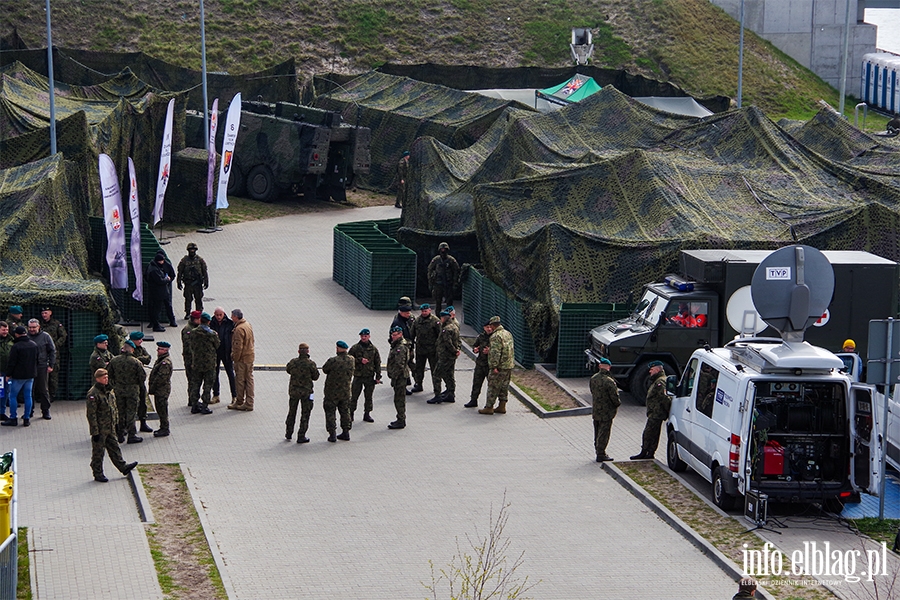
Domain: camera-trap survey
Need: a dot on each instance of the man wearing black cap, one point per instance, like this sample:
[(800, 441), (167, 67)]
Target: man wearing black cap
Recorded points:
[(425, 330), (159, 276), (160, 385), (21, 368), (605, 397), (398, 372), (403, 320), (443, 275), (58, 334), (192, 276), (658, 405), (45, 365), (367, 373), (338, 380)]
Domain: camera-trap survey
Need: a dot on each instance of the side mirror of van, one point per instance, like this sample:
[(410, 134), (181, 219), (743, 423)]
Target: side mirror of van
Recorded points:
[(671, 383)]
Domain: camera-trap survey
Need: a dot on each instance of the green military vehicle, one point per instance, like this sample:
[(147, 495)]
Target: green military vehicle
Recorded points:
[(289, 147)]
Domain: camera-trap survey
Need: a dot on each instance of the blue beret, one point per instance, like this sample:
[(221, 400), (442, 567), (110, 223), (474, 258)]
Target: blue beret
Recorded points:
[(445, 313), (655, 363), (15, 310), (605, 361), (342, 344), (164, 344), (450, 309), (101, 338), (364, 332), (424, 305), (396, 328), (130, 343), (136, 335), (205, 317)]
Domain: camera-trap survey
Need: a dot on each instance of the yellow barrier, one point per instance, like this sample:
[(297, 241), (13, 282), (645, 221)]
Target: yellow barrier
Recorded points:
[(6, 494)]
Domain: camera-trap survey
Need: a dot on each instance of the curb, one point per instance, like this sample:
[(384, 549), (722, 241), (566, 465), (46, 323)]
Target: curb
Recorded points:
[(686, 531), (140, 496)]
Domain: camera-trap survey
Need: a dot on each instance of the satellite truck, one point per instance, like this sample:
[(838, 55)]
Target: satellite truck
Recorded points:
[(777, 418), (709, 303)]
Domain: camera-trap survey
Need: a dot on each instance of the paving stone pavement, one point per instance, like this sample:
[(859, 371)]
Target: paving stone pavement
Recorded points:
[(358, 519)]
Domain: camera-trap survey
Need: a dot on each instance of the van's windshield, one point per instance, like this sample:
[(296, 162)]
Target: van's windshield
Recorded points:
[(649, 308)]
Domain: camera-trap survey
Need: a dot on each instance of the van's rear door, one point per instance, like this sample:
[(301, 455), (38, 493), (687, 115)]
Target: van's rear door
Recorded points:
[(865, 438)]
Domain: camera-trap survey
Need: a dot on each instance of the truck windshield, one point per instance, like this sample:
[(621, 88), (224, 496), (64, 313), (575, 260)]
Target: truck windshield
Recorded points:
[(650, 307)]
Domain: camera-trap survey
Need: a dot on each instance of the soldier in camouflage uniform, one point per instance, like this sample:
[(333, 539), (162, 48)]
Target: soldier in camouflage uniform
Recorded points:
[(658, 405), (103, 418), (398, 371), (186, 349), (501, 360), (160, 385), (303, 372), (402, 179), (366, 373), (481, 348), (145, 359), (425, 330), (58, 334), (338, 379), (6, 342), (101, 355), (192, 276), (15, 318), (448, 346), (204, 348), (126, 374), (605, 398), (443, 275)]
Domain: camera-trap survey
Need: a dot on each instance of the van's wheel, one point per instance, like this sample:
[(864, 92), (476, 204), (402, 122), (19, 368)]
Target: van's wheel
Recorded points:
[(237, 185), (721, 499), (639, 382), (261, 183), (675, 463)]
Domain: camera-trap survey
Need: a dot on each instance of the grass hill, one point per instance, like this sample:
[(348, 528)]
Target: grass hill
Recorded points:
[(691, 43)]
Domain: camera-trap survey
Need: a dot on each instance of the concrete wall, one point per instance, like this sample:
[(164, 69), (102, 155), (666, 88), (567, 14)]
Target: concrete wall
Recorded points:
[(810, 32)]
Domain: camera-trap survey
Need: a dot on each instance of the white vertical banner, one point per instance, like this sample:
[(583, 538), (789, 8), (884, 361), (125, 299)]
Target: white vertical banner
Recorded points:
[(232, 125), (211, 174), (138, 293), (115, 230), (165, 164)]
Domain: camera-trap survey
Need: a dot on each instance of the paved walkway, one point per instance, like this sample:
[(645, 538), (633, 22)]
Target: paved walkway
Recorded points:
[(358, 519)]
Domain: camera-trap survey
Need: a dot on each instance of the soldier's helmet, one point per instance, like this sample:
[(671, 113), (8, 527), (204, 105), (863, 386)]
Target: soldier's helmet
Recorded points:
[(192, 246), (443, 246)]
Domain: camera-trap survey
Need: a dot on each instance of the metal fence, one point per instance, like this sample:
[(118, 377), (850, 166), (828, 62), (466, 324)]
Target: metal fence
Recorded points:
[(9, 550)]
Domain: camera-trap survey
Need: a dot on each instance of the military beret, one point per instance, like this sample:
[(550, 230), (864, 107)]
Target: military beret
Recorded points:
[(364, 332), (342, 344), (164, 344), (205, 317), (19, 330), (136, 335), (605, 361), (302, 347), (495, 320), (195, 314), (192, 246), (130, 343), (100, 373), (43, 308), (655, 363), (405, 308), (451, 309), (406, 153), (15, 310), (445, 313), (424, 306), (396, 328), (101, 338)]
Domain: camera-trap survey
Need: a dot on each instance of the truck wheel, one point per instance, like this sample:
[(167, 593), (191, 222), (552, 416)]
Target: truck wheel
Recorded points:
[(640, 381), (237, 185), (720, 498), (675, 463), (261, 183)]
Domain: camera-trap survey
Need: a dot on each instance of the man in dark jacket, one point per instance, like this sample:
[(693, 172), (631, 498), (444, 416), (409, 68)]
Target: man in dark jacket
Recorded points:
[(6, 342), (223, 326), (404, 320), (45, 365), (21, 368), (159, 276)]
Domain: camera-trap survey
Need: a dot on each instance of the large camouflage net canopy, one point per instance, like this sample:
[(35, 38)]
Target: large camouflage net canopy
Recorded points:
[(398, 110), (587, 203)]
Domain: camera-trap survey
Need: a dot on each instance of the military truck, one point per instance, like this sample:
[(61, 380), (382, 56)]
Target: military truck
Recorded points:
[(708, 304), (285, 146)]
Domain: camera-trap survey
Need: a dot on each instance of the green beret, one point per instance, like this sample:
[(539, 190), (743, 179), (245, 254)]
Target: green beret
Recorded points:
[(130, 343), (164, 344), (605, 361), (101, 338), (424, 305), (365, 332), (15, 310), (205, 317), (656, 363), (136, 335), (450, 309), (342, 344)]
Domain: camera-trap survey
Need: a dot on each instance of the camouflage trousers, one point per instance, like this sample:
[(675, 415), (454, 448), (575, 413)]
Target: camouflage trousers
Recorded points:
[(306, 406), (342, 406), (441, 296), (142, 404), (127, 406), (162, 409), (359, 384), (107, 444), (498, 386), (419, 372), (199, 378), (602, 429), (481, 373), (650, 437), (399, 386), (446, 372), (188, 374), (195, 293), (53, 378)]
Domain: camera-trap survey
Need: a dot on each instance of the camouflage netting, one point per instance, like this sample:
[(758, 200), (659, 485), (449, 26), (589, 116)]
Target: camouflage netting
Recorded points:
[(586, 204), (43, 241), (398, 110)]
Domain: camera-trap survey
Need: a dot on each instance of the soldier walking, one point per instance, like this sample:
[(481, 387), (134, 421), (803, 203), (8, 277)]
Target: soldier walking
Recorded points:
[(366, 374), (204, 347), (102, 416), (501, 360), (658, 405), (338, 378), (160, 385), (481, 348), (192, 276), (145, 359), (126, 374), (605, 400), (425, 330), (186, 355), (447, 350), (443, 274), (398, 371), (58, 334), (303, 372)]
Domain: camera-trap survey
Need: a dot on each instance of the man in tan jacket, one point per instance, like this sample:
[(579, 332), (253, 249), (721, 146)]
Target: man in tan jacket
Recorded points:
[(242, 353)]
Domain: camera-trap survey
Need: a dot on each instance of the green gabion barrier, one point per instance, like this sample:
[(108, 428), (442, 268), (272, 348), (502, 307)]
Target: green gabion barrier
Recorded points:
[(575, 324)]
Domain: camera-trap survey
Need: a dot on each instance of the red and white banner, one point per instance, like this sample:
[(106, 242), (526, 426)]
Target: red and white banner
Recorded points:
[(138, 293), (232, 125), (165, 164), (115, 229), (213, 125)]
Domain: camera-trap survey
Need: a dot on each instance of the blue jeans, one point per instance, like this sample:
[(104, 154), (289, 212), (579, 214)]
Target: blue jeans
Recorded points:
[(14, 386)]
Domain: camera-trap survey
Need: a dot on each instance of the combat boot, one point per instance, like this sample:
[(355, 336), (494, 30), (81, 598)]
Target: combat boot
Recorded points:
[(332, 437), (487, 410), (448, 398), (471, 404), (368, 418), (302, 439), (345, 435), (101, 478), (501, 407), (121, 436), (128, 468), (215, 399), (417, 388), (398, 424), (161, 433), (436, 400), (134, 439), (144, 427)]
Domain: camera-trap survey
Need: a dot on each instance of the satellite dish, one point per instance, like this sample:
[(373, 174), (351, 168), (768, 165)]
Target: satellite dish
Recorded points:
[(741, 313), (791, 289)]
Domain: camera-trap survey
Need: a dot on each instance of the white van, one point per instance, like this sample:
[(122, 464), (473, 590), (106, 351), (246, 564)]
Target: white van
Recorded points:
[(776, 417)]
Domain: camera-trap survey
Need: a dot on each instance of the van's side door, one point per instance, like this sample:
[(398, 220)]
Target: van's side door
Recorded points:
[(892, 445), (681, 415), (865, 438)]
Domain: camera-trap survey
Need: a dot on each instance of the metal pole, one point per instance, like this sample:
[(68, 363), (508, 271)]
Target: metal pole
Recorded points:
[(889, 360), (51, 84), (203, 70), (740, 90), (844, 60)]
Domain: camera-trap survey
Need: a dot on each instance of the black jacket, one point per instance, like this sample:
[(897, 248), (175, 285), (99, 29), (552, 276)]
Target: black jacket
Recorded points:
[(156, 276), (23, 358), (225, 330)]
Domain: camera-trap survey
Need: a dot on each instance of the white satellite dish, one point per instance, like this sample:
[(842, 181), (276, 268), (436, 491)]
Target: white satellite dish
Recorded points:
[(741, 313)]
